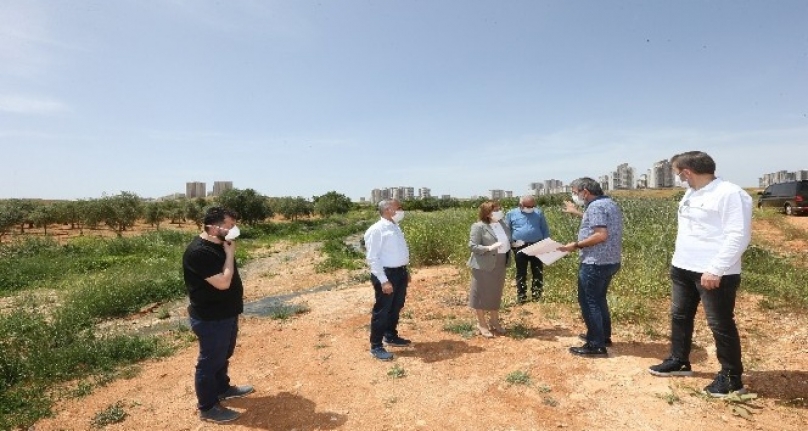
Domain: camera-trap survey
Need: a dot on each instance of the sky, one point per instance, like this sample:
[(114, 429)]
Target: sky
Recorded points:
[(299, 98)]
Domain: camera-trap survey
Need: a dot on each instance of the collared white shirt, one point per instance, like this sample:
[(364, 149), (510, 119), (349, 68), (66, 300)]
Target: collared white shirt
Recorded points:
[(715, 227), (386, 248)]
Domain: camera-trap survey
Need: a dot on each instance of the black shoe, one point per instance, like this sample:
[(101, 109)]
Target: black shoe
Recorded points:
[(608, 342), (725, 384), (521, 300), (588, 350), (671, 367), (218, 414), (236, 392), (397, 341)]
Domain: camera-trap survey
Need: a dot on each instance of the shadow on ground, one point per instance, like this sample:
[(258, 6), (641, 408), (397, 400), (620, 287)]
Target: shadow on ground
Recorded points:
[(786, 387), (284, 411), (437, 351)]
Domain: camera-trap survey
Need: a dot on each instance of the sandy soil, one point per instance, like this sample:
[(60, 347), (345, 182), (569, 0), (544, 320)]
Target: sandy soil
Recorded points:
[(313, 371)]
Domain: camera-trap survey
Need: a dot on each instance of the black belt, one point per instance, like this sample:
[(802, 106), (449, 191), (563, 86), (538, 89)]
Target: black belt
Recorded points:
[(397, 268)]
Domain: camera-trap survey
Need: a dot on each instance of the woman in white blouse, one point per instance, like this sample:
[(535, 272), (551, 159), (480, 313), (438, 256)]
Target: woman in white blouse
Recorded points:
[(489, 242)]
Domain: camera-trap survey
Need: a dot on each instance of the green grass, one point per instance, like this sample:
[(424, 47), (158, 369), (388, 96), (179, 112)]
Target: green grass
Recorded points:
[(113, 414), (643, 280), (61, 292), (287, 311), (463, 328), (339, 256), (397, 372), (38, 352), (518, 378)]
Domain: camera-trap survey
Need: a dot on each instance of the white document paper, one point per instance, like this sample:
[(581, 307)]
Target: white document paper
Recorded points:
[(546, 250)]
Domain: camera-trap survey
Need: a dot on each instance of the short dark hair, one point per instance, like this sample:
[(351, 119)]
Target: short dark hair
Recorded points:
[(697, 161), (216, 215), (588, 184)]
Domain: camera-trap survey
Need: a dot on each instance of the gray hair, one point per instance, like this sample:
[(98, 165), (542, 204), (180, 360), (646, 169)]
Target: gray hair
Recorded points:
[(588, 184), (385, 205), (526, 197)]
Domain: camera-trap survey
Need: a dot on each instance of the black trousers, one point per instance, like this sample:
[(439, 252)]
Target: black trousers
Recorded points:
[(386, 310), (536, 269), (719, 308)]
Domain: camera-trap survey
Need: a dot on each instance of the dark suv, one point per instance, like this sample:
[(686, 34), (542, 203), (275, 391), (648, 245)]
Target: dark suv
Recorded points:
[(791, 197)]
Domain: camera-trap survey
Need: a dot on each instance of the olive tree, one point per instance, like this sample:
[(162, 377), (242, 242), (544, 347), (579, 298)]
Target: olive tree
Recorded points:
[(332, 203), (251, 206), (292, 207), (195, 211), (121, 212), (11, 214), (43, 215)]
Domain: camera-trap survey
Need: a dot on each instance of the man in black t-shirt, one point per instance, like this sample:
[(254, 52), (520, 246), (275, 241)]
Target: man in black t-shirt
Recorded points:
[(216, 299)]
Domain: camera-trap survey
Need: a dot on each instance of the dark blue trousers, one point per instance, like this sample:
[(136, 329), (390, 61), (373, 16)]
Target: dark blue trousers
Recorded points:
[(217, 342), (593, 284), (386, 310)]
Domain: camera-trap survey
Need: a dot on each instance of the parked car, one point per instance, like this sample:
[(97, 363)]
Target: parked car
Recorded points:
[(791, 197)]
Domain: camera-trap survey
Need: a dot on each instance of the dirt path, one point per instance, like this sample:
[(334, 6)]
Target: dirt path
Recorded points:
[(313, 372)]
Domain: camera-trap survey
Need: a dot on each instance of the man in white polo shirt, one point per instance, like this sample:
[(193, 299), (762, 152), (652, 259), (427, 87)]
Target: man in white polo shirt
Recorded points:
[(714, 229), (387, 256)]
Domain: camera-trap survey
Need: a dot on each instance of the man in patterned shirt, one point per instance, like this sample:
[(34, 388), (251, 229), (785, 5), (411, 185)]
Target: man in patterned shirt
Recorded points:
[(600, 242)]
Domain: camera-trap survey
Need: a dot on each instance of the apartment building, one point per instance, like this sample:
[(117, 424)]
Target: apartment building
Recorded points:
[(195, 189), (220, 187), (660, 175)]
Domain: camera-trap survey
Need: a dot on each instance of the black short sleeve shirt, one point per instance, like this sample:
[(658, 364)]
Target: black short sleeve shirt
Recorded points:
[(203, 259)]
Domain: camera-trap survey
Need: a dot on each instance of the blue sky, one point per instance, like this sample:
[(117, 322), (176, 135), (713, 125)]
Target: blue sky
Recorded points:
[(298, 98)]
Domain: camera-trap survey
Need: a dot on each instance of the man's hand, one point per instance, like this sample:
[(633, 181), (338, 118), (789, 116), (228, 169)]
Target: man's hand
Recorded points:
[(710, 281), (571, 208), (229, 247), (387, 288), (567, 247)]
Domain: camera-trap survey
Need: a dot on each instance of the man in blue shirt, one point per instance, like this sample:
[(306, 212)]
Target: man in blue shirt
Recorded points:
[(600, 240), (528, 226)]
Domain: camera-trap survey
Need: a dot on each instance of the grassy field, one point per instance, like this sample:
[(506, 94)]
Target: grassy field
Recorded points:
[(54, 295)]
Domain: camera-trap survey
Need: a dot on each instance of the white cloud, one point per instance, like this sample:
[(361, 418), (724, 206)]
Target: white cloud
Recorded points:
[(31, 105)]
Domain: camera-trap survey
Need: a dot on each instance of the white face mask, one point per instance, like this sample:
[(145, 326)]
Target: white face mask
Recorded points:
[(578, 199), (232, 234), (680, 182), (496, 216), (528, 210), (398, 216)]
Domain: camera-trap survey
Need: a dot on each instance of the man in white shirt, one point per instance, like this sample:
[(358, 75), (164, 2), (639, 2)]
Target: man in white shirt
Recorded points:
[(387, 257), (714, 229)]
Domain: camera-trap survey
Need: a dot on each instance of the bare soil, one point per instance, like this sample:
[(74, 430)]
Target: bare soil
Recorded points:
[(314, 372)]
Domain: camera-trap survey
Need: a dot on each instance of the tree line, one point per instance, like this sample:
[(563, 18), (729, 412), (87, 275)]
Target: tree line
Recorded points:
[(120, 212)]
